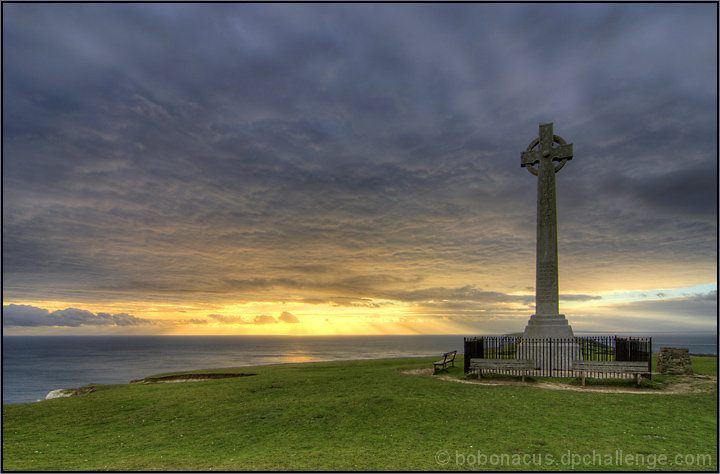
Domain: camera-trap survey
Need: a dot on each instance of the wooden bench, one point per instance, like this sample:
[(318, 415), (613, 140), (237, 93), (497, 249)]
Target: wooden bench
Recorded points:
[(496, 365), (611, 367), (448, 358)]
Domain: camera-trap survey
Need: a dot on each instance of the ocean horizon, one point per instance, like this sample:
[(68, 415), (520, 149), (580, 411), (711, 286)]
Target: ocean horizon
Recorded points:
[(35, 365)]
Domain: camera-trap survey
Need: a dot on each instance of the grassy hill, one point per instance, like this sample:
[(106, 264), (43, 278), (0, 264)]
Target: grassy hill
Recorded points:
[(361, 415)]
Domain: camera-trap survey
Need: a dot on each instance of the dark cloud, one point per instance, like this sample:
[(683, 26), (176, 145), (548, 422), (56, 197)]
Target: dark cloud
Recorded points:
[(688, 190), (690, 313), (344, 153), (702, 307), (25, 315)]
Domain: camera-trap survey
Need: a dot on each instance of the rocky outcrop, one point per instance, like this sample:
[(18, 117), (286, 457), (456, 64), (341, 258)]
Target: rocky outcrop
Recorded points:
[(69, 392), (59, 394)]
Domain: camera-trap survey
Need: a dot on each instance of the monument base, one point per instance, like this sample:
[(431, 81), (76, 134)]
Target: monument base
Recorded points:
[(549, 341), (548, 325)]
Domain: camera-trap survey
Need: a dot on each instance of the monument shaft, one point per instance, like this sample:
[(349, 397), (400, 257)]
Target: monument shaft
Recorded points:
[(546, 271)]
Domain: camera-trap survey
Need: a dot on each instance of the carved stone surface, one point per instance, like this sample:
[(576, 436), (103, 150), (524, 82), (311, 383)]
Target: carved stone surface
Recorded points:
[(674, 361), (547, 320)]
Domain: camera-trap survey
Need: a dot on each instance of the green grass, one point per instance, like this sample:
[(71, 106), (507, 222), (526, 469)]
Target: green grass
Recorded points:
[(362, 415), (701, 365)]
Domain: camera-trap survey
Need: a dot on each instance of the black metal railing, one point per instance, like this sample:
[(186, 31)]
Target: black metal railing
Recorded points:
[(554, 356)]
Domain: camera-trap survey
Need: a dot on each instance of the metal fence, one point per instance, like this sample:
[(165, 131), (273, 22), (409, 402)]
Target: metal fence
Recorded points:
[(554, 356)]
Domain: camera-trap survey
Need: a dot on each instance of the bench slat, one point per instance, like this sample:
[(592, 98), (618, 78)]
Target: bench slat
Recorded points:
[(501, 363), (493, 365), (609, 366)]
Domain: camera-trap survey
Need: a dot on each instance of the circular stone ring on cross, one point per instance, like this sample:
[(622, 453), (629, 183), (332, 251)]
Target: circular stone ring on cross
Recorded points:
[(556, 139)]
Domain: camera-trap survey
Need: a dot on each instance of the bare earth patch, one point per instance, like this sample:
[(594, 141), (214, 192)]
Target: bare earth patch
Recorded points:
[(188, 378), (684, 384)]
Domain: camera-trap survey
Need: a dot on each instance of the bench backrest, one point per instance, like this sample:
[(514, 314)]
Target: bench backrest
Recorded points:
[(448, 354), (502, 364), (608, 364)]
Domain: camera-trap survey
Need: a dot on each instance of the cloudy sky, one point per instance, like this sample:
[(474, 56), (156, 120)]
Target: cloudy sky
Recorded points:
[(354, 169)]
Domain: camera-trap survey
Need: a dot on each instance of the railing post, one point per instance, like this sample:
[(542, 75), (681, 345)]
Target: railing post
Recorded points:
[(649, 351), (466, 356)]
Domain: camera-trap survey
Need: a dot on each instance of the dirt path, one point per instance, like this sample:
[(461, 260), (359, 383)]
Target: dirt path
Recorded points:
[(685, 384)]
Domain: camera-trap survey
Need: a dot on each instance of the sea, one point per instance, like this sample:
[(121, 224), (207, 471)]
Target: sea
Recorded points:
[(32, 366)]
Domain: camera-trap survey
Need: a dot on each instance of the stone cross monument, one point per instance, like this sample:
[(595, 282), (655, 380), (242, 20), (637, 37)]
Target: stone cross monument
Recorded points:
[(547, 322)]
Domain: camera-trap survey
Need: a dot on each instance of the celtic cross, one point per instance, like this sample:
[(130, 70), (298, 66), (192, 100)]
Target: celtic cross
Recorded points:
[(546, 276)]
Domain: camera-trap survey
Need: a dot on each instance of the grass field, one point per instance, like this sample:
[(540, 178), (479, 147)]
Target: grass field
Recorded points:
[(363, 415)]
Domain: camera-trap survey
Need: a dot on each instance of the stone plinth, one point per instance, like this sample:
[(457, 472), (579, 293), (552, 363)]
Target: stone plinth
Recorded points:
[(548, 325), (674, 361)]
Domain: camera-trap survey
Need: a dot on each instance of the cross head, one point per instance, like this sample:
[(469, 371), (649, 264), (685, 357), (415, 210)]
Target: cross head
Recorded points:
[(546, 150)]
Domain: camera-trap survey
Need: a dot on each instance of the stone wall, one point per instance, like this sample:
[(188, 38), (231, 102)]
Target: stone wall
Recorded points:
[(674, 361)]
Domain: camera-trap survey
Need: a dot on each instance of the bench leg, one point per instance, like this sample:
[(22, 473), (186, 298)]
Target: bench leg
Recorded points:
[(583, 379), (522, 378)]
